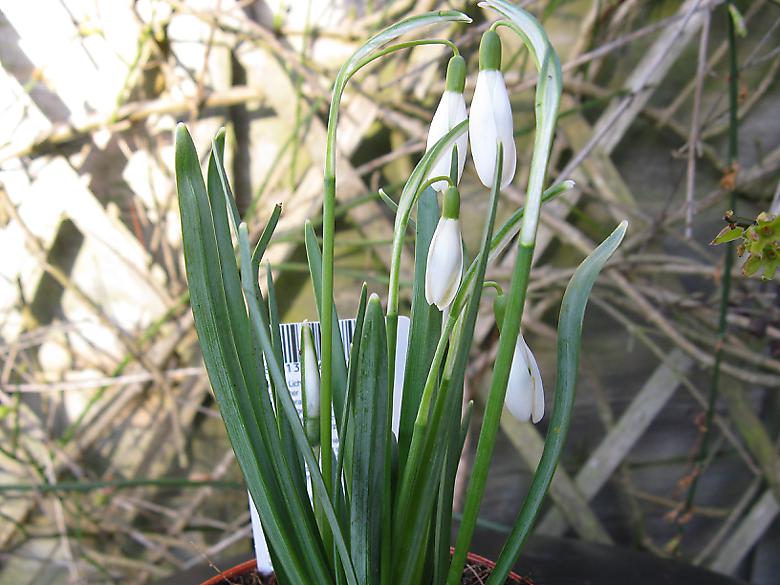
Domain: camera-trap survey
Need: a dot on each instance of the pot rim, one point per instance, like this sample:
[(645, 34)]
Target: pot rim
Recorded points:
[(251, 564)]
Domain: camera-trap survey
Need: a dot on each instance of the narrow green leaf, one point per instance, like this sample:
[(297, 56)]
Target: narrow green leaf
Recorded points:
[(425, 325), (265, 237), (371, 436), (569, 336), (346, 435), (218, 149), (294, 460), (443, 526)]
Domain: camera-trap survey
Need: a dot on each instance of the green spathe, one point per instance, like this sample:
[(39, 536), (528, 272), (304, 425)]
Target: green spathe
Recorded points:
[(456, 74), (490, 51), (451, 203)]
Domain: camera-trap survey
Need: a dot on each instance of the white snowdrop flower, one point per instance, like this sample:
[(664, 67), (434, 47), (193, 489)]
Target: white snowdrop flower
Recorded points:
[(310, 379), (445, 254), (450, 112), (525, 392), (490, 119)]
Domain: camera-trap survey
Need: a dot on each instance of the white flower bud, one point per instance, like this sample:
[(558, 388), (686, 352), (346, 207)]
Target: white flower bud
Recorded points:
[(445, 255), (310, 379), (491, 116), (525, 392), (450, 112)]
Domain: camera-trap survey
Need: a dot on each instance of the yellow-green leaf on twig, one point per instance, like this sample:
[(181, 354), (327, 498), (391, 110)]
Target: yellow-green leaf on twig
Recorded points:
[(728, 234)]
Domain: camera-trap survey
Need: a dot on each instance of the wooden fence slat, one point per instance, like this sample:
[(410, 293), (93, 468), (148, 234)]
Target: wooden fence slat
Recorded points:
[(752, 528), (568, 498), (616, 445)]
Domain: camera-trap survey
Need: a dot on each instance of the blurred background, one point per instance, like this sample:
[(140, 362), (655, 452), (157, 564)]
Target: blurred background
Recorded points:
[(114, 464)]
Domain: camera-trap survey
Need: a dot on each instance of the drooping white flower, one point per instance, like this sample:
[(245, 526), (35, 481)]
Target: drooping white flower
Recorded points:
[(490, 119), (450, 112), (310, 385), (524, 391), (445, 255)]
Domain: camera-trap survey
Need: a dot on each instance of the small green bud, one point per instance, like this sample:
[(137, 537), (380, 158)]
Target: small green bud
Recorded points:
[(456, 74), (451, 204), (499, 309), (490, 51)]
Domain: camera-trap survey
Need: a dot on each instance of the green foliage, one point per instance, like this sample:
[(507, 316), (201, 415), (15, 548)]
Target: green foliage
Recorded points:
[(760, 239)]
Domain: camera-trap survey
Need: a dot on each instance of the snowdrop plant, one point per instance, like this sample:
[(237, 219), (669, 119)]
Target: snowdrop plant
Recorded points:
[(380, 511)]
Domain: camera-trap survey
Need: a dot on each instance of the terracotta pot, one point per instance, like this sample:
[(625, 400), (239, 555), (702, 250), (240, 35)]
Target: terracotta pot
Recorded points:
[(249, 566)]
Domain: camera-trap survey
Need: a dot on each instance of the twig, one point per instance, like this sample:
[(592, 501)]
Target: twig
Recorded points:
[(701, 456), (693, 140)]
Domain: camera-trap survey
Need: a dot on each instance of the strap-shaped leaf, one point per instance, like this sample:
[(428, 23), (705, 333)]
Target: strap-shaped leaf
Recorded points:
[(294, 459), (370, 447), (443, 532), (425, 324), (569, 336), (347, 433)]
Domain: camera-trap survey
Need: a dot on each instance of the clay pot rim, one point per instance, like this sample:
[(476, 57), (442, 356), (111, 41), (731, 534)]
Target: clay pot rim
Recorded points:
[(251, 564)]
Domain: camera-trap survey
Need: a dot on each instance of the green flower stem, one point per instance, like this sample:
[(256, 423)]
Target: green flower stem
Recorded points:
[(402, 46), (360, 58), (495, 404), (501, 240), (411, 192), (494, 285), (448, 402), (421, 422)]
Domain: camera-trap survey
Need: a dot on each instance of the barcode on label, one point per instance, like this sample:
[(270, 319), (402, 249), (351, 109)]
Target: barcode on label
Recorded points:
[(291, 339)]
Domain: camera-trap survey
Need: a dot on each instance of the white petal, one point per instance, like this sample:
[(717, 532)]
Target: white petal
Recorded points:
[(518, 398), (445, 264), (491, 121), (537, 396), (450, 112)]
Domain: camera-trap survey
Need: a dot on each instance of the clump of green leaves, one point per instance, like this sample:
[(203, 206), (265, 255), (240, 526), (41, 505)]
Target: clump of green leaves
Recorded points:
[(760, 239), (380, 511)]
